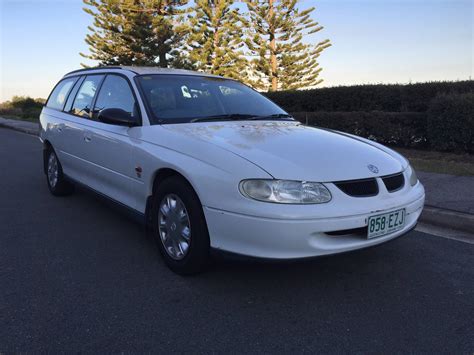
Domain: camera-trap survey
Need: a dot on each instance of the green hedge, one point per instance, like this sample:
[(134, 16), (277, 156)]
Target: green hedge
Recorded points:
[(451, 123), (390, 98), (404, 129)]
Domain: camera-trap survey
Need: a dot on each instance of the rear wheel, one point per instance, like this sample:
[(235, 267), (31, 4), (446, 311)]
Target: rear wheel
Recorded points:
[(179, 226), (57, 184)]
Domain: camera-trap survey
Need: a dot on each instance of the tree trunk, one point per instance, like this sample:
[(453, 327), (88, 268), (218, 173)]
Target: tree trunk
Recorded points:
[(163, 61), (273, 59), (216, 38), (215, 41), (162, 54)]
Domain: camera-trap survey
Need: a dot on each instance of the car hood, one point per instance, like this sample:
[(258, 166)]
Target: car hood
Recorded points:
[(290, 150)]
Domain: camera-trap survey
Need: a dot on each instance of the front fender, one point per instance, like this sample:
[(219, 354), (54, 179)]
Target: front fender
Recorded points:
[(214, 173)]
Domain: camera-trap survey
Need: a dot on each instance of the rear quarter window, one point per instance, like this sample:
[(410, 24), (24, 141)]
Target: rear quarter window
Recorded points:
[(58, 97)]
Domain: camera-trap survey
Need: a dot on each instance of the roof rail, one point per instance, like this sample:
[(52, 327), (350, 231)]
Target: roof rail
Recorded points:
[(97, 68)]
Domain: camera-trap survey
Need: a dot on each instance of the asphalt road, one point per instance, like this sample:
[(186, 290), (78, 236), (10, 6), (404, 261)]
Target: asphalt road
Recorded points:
[(77, 275)]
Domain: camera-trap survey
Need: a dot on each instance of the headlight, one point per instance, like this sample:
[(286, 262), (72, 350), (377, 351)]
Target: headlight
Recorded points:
[(285, 191), (412, 175)]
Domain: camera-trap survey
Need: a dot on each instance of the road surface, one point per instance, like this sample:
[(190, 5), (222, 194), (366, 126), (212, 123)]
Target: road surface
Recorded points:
[(77, 275)]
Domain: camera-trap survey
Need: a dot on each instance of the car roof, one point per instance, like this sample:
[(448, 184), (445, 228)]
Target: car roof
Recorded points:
[(141, 71)]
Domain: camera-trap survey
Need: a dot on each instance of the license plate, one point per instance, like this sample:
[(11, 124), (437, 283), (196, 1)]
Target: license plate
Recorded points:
[(385, 223)]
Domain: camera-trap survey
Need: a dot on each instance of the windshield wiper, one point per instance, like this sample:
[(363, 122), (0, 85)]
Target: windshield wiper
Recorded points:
[(242, 117), (228, 117), (275, 116)]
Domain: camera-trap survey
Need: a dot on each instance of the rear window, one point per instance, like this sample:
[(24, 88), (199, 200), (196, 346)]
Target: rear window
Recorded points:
[(58, 97)]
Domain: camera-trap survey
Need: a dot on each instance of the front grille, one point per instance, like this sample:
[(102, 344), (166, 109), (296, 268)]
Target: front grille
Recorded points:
[(394, 182), (359, 188)]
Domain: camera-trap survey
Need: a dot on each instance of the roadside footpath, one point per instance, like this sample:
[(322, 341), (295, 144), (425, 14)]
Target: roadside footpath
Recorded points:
[(18, 125), (449, 198), (449, 201)]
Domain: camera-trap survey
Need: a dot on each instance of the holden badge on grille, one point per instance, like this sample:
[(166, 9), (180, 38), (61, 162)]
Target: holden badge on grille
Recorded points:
[(373, 168)]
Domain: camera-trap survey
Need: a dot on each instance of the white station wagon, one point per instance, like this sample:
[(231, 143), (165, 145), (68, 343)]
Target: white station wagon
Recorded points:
[(210, 164)]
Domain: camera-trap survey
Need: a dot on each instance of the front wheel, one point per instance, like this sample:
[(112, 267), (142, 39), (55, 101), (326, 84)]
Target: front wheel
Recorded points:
[(179, 226), (57, 184)]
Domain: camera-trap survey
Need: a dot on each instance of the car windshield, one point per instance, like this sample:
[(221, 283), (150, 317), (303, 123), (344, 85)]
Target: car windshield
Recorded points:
[(188, 98)]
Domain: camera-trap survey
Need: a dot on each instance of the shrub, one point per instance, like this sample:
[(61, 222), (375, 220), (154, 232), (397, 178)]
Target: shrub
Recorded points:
[(389, 98), (24, 107), (451, 123), (404, 129)]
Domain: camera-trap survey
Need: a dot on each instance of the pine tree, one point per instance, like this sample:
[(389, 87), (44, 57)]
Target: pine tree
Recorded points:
[(136, 32), (216, 39), (283, 61)]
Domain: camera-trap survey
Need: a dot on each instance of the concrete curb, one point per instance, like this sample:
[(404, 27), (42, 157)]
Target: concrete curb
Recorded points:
[(21, 126), (431, 215), (448, 219)]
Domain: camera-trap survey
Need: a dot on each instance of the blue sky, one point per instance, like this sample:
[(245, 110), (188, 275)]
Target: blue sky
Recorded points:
[(374, 41)]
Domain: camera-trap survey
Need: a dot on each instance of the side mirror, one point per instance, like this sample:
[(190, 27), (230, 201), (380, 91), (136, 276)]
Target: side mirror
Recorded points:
[(116, 116)]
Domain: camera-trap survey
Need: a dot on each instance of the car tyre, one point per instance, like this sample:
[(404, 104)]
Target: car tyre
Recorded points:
[(57, 183), (179, 227)]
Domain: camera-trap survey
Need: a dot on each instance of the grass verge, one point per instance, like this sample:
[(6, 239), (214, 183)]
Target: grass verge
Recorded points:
[(439, 162)]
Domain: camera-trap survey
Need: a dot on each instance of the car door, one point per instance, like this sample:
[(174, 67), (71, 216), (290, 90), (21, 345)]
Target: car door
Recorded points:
[(108, 147), (77, 113), (54, 123)]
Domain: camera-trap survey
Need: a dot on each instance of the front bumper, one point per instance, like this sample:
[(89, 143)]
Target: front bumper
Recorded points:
[(298, 238)]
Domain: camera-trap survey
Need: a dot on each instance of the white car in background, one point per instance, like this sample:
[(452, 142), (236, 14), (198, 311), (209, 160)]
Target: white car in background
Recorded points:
[(209, 163)]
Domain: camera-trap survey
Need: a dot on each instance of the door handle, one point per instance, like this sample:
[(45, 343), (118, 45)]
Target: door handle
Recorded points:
[(87, 137)]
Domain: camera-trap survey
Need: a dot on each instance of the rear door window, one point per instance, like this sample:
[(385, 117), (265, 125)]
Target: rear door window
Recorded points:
[(115, 92), (82, 105), (73, 93), (59, 95)]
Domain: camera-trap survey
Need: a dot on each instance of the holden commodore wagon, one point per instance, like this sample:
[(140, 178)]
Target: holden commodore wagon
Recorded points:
[(210, 164)]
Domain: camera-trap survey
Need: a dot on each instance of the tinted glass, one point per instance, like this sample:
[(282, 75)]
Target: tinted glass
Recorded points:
[(181, 98), (83, 102), (59, 95), (115, 92)]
